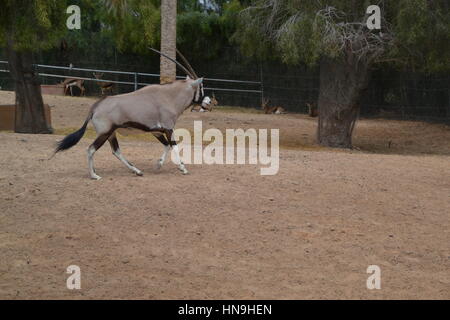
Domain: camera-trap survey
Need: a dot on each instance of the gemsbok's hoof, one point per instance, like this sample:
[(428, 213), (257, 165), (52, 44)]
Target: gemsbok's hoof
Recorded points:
[(184, 171), (159, 164), (95, 177), (139, 173)]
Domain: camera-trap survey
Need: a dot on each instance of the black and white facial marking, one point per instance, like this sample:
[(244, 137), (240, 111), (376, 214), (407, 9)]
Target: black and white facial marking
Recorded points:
[(199, 94), (206, 102)]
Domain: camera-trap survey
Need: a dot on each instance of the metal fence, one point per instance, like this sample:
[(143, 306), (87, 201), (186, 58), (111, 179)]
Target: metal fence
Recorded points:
[(390, 93), (137, 77)]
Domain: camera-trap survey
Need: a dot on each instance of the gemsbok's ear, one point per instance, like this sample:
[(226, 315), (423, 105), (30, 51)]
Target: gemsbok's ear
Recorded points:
[(197, 82)]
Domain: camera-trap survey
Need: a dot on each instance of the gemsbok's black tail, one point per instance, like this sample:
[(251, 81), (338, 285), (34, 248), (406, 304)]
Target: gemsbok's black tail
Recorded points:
[(72, 139)]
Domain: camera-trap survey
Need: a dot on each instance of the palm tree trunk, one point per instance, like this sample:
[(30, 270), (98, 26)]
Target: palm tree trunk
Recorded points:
[(168, 70)]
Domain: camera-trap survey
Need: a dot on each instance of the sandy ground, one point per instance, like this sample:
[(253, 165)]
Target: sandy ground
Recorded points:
[(225, 231)]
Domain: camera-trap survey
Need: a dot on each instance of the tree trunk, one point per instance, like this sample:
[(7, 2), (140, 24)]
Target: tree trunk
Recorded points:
[(168, 69), (341, 86), (30, 116)]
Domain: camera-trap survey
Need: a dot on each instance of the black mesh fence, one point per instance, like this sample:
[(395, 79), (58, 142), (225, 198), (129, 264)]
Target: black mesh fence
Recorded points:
[(390, 94), (408, 96)]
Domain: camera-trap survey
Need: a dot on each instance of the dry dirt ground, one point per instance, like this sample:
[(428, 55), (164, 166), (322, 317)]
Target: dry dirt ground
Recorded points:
[(225, 231)]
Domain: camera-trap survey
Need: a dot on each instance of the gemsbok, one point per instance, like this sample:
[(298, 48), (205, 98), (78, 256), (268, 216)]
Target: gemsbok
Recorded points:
[(153, 108)]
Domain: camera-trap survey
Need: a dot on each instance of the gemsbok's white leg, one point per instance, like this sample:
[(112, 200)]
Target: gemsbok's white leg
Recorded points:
[(161, 138), (97, 144), (178, 161), (173, 144), (163, 156), (90, 152)]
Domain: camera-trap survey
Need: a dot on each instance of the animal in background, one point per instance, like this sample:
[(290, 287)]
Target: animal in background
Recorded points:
[(312, 109), (214, 100), (69, 83), (104, 86), (271, 109)]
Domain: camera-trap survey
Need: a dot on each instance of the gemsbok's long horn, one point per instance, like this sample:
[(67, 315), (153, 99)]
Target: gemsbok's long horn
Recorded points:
[(176, 62), (186, 62)]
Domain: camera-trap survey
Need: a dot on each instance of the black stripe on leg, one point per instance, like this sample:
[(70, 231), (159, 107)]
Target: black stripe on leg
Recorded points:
[(161, 139), (115, 147), (136, 125), (100, 141), (169, 134), (114, 144)]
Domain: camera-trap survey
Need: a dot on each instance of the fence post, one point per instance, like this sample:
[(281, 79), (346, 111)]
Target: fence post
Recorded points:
[(135, 81), (261, 79)]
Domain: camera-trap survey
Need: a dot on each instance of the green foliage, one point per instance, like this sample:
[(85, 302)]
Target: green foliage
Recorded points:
[(414, 32), (229, 17), (126, 25), (289, 30), (202, 31), (137, 25), (32, 24), (422, 31), (293, 29), (133, 24), (199, 32)]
